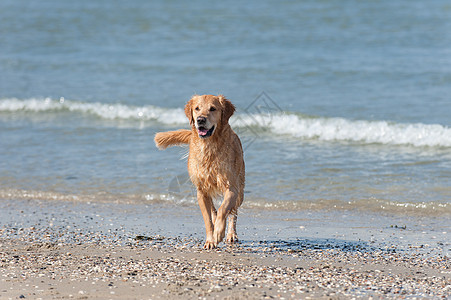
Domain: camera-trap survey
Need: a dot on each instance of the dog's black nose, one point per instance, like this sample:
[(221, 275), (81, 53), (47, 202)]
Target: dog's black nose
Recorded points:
[(201, 120)]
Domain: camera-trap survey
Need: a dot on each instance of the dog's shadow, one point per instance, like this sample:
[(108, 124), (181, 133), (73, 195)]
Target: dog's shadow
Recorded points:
[(305, 245)]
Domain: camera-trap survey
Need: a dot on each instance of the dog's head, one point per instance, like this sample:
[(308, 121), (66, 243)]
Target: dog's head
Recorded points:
[(208, 113)]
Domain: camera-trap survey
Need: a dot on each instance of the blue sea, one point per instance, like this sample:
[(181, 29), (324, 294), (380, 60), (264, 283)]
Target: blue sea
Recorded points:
[(342, 106)]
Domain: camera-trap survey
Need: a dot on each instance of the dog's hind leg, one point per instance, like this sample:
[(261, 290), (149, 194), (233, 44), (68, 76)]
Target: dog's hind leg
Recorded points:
[(213, 212), (231, 228)]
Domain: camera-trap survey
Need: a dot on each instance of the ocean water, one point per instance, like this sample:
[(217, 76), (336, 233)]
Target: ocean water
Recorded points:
[(342, 105)]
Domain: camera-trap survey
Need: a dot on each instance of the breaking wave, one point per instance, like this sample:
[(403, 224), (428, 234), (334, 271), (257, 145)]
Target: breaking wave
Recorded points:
[(288, 123), (367, 132), (101, 110)]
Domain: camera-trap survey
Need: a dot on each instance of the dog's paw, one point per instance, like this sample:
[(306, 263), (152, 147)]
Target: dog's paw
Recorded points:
[(219, 233), (232, 238), (209, 245)]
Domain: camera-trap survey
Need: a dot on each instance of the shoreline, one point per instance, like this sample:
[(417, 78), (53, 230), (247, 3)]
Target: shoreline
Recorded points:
[(109, 251)]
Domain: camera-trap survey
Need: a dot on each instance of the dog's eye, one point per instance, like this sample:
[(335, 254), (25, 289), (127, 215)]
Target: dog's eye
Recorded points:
[(197, 108), (212, 109)]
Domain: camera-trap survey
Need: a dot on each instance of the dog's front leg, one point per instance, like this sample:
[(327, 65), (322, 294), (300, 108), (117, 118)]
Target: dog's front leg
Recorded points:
[(229, 203), (206, 207)]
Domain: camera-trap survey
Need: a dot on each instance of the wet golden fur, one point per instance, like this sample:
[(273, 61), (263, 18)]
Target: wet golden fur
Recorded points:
[(215, 163)]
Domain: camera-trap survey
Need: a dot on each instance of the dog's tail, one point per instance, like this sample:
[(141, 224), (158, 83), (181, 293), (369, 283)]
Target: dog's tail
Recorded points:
[(172, 138)]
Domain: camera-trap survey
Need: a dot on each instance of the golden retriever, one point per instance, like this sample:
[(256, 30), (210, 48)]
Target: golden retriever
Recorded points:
[(215, 162)]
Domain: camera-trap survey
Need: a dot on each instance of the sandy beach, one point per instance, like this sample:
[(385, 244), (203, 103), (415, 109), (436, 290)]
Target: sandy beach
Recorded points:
[(91, 271), (59, 250)]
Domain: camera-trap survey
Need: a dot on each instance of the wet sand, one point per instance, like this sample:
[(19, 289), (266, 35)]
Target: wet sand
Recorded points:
[(60, 250)]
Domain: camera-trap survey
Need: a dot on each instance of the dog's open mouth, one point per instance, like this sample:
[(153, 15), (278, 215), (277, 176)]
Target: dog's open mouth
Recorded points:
[(204, 132)]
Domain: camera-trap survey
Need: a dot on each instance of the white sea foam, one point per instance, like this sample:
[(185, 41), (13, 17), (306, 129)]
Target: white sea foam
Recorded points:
[(369, 205), (325, 129), (339, 129), (102, 110)]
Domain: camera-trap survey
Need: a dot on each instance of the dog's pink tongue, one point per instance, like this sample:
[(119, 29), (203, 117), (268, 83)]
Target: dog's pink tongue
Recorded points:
[(202, 131)]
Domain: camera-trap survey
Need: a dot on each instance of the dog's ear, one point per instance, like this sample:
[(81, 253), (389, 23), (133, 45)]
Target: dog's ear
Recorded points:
[(189, 111), (227, 109)]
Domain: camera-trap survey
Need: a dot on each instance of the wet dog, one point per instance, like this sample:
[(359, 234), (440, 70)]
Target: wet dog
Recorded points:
[(215, 163)]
